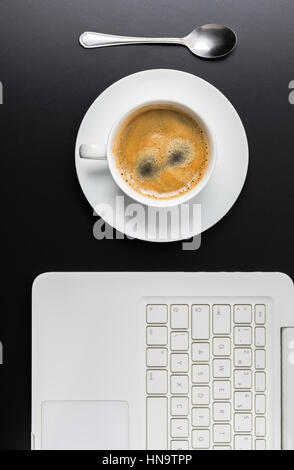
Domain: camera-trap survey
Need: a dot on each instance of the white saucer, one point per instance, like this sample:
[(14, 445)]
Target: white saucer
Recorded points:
[(229, 175)]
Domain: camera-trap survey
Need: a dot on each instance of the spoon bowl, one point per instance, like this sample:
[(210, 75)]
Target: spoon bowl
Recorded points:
[(211, 41)]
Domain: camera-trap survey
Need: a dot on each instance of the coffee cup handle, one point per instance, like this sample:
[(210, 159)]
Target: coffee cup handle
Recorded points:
[(89, 152)]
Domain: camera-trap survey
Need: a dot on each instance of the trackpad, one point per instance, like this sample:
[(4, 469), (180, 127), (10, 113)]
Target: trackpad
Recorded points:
[(85, 425)]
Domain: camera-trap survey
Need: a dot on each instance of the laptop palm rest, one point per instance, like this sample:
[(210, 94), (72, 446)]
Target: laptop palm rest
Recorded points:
[(85, 425)]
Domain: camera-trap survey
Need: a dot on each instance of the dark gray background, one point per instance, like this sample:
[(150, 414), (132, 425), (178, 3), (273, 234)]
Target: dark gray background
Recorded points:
[(50, 81)]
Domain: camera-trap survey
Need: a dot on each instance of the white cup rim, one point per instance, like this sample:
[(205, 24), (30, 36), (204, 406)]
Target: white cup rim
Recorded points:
[(160, 203)]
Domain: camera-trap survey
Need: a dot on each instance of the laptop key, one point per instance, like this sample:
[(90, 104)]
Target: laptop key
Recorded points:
[(179, 427), (179, 316), (200, 322), (156, 420), (260, 426), (243, 422), (179, 445), (222, 433), (259, 359), (260, 381), (243, 442), (156, 313), (260, 444), (156, 357), (221, 323), (260, 314), (156, 335), (179, 406), (156, 382), (242, 378), (179, 341), (200, 439), (260, 337)]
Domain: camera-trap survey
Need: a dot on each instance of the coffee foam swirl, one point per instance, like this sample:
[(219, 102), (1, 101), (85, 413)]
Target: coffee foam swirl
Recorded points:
[(180, 152), (148, 166)]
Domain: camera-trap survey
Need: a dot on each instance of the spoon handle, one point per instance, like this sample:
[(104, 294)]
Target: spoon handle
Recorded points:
[(89, 40)]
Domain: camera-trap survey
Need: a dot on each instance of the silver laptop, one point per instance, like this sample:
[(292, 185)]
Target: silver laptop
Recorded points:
[(163, 361)]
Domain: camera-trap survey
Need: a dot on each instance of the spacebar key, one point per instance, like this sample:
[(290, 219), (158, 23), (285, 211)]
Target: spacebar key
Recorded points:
[(157, 423)]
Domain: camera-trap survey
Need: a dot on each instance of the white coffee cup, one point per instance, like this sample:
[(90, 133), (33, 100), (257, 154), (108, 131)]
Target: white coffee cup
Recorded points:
[(89, 151)]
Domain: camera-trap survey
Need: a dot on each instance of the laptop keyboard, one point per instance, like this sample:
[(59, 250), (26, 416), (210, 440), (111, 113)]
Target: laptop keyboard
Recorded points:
[(206, 376)]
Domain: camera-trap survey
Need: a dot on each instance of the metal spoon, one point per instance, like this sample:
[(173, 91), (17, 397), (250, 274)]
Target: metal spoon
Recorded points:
[(209, 41)]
